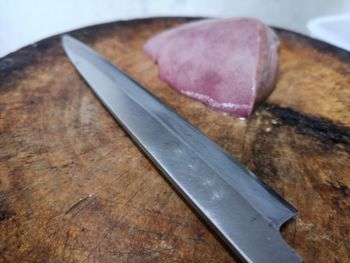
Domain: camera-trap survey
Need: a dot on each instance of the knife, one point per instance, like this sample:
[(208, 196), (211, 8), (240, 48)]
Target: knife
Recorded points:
[(242, 210)]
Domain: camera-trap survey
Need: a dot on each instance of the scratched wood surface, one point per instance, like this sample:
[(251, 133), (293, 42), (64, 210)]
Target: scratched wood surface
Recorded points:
[(75, 188)]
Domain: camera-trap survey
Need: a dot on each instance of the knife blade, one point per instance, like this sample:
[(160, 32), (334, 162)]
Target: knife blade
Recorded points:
[(242, 210)]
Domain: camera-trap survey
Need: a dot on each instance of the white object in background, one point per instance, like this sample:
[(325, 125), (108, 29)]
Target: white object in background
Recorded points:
[(332, 29), (23, 22)]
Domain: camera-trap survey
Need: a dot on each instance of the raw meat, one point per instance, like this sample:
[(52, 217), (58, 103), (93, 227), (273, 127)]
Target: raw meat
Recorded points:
[(228, 64)]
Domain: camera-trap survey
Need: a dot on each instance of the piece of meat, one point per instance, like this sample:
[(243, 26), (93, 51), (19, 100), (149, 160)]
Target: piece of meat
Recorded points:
[(229, 64)]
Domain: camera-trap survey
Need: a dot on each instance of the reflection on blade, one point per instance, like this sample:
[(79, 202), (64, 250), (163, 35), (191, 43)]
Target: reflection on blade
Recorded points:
[(239, 207)]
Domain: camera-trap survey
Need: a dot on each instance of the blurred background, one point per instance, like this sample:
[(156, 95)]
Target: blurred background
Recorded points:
[(24, 22)]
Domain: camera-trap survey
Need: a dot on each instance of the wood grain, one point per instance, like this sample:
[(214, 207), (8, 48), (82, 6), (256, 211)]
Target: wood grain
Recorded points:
[(75, 188)]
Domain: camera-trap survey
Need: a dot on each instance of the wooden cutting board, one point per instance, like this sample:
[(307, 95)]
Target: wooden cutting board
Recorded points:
[(75, 188)]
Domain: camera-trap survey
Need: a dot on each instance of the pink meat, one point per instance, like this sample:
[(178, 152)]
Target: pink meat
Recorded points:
[(228, 64)]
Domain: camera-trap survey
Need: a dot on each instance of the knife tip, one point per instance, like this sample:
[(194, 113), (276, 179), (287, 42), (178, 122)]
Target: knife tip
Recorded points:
[(66, 39)]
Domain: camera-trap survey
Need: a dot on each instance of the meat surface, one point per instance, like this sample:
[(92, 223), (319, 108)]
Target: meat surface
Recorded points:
[(228, 64)]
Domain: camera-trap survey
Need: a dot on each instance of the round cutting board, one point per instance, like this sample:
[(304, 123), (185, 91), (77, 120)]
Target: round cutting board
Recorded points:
[(75, 188)]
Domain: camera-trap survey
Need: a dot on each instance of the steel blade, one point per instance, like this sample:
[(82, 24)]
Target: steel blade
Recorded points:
[(240, 208)]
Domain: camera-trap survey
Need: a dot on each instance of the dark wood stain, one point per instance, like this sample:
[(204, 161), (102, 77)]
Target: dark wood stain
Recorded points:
[(322, 129), (75, 188), (4, 215)]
